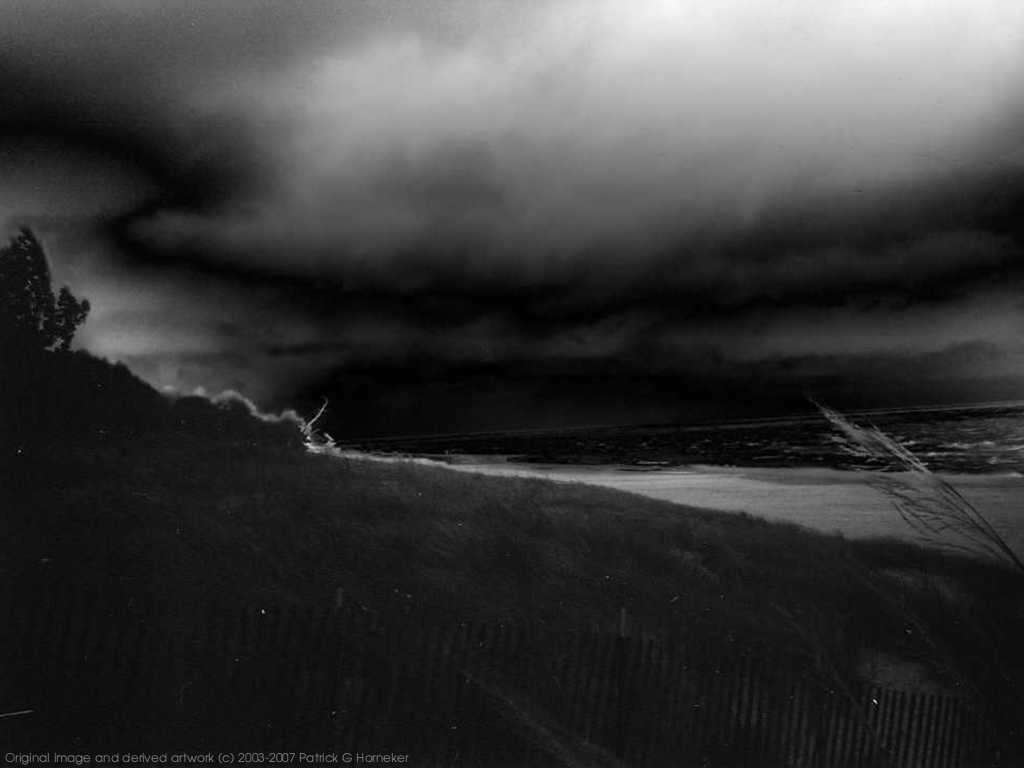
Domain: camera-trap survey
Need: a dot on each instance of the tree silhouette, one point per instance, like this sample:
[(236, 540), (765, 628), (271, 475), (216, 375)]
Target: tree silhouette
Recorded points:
[(31, 317)]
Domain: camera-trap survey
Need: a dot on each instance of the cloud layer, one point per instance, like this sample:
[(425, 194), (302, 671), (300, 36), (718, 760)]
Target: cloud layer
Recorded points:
[(642, 186)]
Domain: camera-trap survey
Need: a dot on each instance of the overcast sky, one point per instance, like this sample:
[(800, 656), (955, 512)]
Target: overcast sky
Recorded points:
[(475, 214)]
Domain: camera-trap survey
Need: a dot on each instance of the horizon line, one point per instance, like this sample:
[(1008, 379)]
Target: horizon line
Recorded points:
[(970, 405)]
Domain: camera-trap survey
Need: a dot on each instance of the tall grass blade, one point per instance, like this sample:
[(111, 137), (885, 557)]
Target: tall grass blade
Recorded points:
[(937, 512)]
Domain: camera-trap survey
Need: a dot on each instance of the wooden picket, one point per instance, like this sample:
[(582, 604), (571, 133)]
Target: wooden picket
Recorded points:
[(105, 677)]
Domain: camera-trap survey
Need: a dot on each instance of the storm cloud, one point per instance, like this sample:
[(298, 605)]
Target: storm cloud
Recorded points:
[(723, 192)]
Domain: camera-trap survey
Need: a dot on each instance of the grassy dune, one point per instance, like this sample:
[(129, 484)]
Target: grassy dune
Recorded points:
[(187, 502)]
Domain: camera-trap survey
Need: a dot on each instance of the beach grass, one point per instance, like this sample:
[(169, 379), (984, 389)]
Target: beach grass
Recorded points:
[(175, 511)]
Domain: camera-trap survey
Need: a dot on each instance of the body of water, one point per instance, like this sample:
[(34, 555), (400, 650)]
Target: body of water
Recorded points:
[(982, 439)]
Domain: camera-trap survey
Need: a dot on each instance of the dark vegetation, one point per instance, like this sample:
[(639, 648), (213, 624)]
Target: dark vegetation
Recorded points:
[(31, 316), (177, 511)]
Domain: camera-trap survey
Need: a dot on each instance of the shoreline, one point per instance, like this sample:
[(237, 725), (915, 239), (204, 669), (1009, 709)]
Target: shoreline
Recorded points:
[(823, 499)]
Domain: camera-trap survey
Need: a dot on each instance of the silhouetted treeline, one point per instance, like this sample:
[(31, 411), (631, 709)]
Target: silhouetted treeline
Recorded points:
[(32, 317), (53, 397)]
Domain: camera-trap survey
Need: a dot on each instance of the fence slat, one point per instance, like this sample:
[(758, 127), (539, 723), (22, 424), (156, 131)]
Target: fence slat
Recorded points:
[(454, 692)]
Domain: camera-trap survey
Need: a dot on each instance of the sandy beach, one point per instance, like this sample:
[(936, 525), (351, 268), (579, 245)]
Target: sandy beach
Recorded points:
[(823, 499)]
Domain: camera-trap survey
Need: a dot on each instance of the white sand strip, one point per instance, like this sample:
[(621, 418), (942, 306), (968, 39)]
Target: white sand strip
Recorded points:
[(823, 499)]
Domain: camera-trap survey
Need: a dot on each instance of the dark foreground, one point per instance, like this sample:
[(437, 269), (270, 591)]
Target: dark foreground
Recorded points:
[(180, 578), (334, 680)]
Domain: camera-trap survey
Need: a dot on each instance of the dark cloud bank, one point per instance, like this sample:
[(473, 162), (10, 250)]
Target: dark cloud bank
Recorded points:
[(456, 216)]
